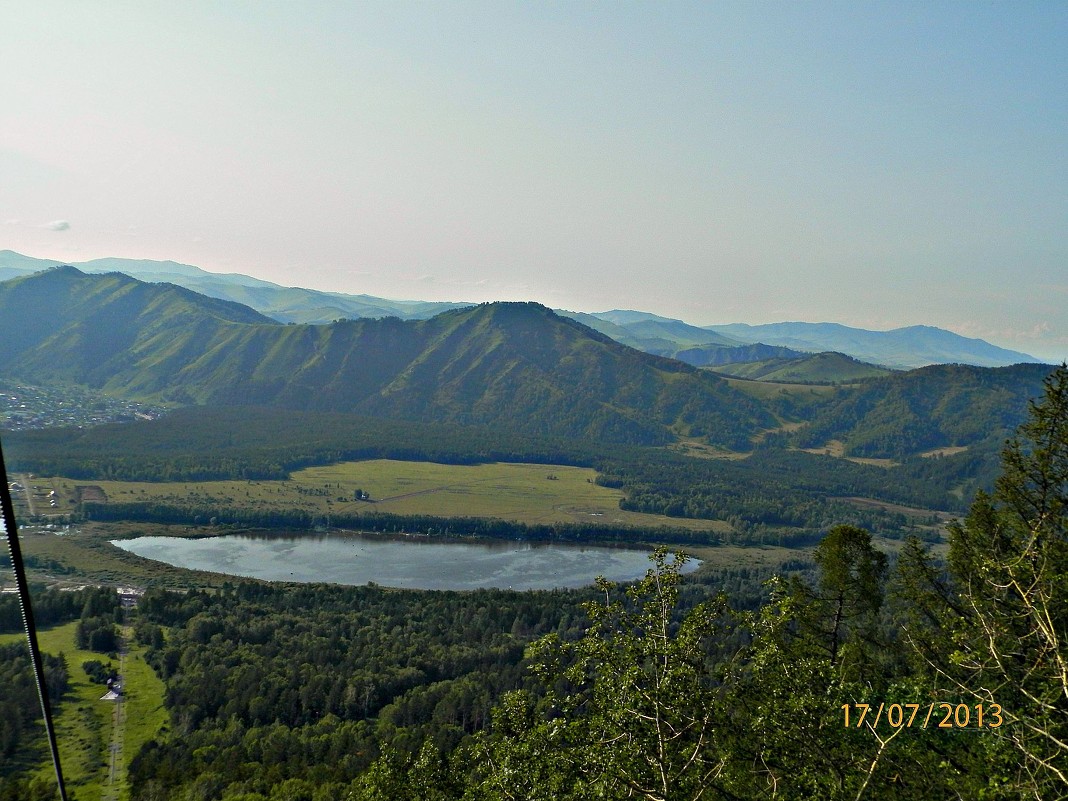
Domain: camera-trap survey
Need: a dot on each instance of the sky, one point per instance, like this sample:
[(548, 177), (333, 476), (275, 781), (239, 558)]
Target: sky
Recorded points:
[(873, 164)]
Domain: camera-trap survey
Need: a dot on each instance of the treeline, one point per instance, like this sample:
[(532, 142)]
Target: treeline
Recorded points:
[(52, 606), (381, 522), (20, 708), (205, 444), (300, 691), (22, 738), (776, 488), (772, 488)]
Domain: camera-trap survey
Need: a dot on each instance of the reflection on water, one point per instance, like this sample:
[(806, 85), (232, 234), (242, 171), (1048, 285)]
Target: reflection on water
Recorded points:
[(412, 562)]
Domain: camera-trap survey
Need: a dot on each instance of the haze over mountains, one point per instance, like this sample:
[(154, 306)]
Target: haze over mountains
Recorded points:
[(902, 348)]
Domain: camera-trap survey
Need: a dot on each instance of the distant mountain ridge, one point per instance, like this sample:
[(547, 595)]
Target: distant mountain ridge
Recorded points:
[(285, 304), (903, 348), (514, 366), (900, 348)]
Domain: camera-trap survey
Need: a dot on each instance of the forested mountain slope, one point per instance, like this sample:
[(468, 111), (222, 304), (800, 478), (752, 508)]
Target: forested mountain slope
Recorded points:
[(817, 368), (934, 407), (517, 366)]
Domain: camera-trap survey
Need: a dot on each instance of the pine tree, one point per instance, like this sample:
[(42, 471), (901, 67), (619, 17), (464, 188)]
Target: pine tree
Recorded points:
[(994, 630)]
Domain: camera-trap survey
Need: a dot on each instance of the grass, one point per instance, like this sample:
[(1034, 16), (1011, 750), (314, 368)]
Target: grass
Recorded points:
[(722, 557), (87, 556), (530, 493), (145, 715), (836, 448), (84, 722), (526, 493), (801, 393)]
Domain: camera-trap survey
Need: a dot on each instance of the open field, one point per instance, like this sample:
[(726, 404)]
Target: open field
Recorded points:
[(144, 715), (692, 446), (950, 451), (836, 448), (801, 393), (84, 722), (525, 493)]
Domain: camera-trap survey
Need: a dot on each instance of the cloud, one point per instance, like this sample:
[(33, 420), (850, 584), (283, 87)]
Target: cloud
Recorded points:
[(59, 225)]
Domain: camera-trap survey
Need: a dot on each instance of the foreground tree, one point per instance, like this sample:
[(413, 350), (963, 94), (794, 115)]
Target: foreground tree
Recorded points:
[(656, 703), (994, 631), (849, 593), (632, 708)]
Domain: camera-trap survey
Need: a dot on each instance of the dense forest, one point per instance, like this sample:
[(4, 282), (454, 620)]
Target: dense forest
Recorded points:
[(932, 407)]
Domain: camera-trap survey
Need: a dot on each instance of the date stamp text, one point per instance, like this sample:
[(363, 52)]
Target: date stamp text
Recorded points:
[(940, 715)]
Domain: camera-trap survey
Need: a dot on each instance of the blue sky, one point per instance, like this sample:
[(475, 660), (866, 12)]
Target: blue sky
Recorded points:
[(874, 164)]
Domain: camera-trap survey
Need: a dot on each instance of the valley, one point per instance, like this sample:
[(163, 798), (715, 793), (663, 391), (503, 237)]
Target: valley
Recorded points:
[(533, 401), (506, 444)]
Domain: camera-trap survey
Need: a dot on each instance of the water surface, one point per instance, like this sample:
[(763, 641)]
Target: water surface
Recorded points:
[(412, 562)]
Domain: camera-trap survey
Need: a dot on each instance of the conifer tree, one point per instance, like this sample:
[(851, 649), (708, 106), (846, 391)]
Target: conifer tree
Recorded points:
[(994, 629)]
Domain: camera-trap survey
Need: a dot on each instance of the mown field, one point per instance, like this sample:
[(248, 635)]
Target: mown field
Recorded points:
[(525, 493)]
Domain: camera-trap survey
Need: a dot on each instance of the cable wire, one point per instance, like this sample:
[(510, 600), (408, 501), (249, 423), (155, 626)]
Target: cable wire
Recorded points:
[(7, 507)]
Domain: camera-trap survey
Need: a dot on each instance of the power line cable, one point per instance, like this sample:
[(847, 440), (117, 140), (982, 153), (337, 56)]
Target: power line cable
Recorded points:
[(7, 507)]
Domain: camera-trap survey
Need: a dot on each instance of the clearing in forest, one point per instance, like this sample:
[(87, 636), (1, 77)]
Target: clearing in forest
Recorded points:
[(526, 493)]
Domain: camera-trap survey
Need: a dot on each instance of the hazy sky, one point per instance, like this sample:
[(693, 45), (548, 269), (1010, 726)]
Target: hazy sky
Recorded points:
[(874, 164)]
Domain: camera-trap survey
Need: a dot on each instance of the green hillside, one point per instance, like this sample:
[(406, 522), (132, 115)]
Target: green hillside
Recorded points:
[(516, 366), (507, 367), (920, 410), (819, 368)]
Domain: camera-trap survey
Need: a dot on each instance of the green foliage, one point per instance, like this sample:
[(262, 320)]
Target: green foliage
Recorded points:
[(850, 590), (1005, 612), (96, 634), (20, 711), (267, 684), (640, 705), (658, 702), (933, 407), (49, 608), (991, 625), (98, 672)]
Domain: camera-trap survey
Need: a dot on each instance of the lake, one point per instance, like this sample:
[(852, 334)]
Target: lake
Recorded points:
[(411, 562)]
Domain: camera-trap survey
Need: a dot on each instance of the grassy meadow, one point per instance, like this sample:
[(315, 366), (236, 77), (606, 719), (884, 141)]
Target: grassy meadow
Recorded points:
[(525, 493)]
